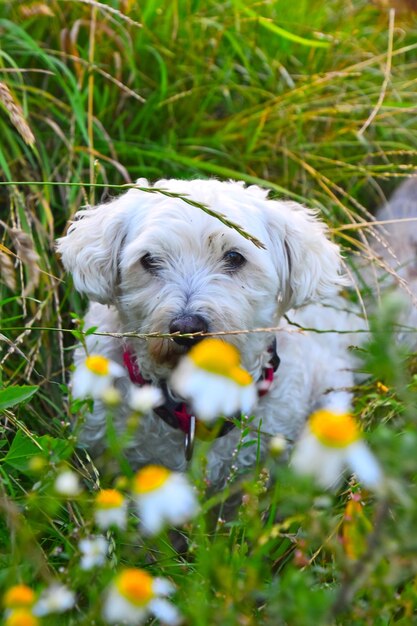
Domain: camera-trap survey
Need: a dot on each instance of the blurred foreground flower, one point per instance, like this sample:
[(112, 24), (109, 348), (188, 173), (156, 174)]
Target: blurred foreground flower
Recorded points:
[(94, 552), (55, 599), (94, 377), (211, 379), (134, 595), (110, 509), (21, 617), (331, 444), (67, 483), (19, 596), (162, 497), (277, 445), (143, 399)]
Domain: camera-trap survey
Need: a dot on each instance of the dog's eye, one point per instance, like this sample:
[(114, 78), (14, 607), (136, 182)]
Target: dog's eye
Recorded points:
[(150, 263), (233, 260)]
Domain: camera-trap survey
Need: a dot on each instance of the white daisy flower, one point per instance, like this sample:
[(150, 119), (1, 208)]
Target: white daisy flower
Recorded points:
[(211, 379), (331, 444), (162, 497), (134, 595), (95, 376), (55, 599), (67, 483), (94, 552), (143, 399), (110, 509)]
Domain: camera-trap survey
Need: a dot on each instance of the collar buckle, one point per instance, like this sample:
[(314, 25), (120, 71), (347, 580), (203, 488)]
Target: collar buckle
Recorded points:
[(190, 439)]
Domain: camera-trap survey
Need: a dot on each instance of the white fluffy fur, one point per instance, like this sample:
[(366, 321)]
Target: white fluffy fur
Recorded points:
[(297, 273)]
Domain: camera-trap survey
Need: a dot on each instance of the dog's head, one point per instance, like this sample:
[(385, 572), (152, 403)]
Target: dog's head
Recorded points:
[(170, 267)]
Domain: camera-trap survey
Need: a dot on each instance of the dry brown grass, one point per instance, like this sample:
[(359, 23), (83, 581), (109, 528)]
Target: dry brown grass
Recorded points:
[(16, 115)]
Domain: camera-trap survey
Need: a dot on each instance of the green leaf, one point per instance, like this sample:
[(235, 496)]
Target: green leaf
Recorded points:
[(286, 34), (282, 32), (24, 448), (21, 451), (16, 395), (91, 331)]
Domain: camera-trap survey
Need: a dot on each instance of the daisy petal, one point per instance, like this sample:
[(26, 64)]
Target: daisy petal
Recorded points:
[(165, 611), (363, 463)]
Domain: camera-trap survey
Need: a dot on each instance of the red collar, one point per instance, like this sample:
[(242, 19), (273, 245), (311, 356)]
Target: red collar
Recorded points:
[(131, 364)]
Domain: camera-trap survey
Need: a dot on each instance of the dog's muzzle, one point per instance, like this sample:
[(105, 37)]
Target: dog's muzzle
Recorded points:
[(188, 325)]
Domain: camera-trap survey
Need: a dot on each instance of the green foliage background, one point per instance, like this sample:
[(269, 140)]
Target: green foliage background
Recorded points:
[(278, 93)]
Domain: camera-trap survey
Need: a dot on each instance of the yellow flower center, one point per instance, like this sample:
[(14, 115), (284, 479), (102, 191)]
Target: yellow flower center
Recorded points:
[(218, 357), (19, 595), (336, 430), (21, 617), (240, 376), (109, 499), (97, 364), (150, 478), (136, 586)]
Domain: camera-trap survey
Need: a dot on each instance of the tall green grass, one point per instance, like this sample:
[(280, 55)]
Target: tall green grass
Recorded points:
[(275, 93)]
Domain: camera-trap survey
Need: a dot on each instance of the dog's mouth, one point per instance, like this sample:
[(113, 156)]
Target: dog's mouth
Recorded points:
[(187, 330), (165, 351)]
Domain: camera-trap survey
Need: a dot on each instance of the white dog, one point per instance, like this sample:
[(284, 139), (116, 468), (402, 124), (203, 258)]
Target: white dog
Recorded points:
[(155, 264)]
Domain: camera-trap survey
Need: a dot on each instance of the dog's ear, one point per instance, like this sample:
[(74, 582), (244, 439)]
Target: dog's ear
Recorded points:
[(91, 248), (308, 263)]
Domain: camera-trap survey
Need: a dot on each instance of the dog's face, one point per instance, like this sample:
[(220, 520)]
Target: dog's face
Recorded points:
[(170, 267)]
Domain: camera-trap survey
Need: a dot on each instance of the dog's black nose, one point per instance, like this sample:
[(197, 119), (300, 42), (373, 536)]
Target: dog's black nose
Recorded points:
[(186, 324)]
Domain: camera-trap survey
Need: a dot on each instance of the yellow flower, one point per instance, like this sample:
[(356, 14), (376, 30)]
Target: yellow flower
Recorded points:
[(94, 377), (162, 497), (99, 365), (110, 509), (136, 586), (336, 430), (21, 617), (109, 499), (150, 478), (18, 596), (206, 356), (211, 378), (134, 595), (329, 445), (381, 387)]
